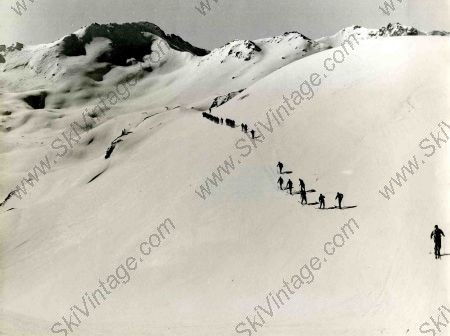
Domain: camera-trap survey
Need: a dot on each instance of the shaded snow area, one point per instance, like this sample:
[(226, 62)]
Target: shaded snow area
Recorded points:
[(114, 222)]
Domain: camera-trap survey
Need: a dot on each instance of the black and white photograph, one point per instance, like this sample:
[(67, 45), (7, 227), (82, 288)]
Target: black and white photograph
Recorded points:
[(224, 167)]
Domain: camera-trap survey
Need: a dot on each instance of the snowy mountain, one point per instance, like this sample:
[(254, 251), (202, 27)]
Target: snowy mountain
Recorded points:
[(99, 111), (98, 56)]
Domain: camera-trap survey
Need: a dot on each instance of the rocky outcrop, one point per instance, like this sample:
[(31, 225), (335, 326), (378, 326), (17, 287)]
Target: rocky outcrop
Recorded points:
[(128, 41)]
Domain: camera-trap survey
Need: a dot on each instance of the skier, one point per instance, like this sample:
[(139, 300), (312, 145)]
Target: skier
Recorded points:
[(221, 121), (280, 182), (339, 197), (253, 133), (302, 184), (289, 186), (245, 128), (242, 127), (321, 201), (280, 166), (303, 196), (436, 234)]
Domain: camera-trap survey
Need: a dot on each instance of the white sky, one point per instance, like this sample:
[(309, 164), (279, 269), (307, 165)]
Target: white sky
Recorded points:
[(48, 20)]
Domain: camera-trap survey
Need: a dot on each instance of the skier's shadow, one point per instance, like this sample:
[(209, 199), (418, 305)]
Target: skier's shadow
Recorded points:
[(308, 191), (335, 207)]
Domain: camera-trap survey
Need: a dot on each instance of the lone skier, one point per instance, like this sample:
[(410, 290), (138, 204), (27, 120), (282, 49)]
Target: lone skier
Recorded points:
[(339, 197), (303, 196), (280, 166), (436, 235), (321, 202), (302, 184), (289, 186), (280, 182), (253, 133)]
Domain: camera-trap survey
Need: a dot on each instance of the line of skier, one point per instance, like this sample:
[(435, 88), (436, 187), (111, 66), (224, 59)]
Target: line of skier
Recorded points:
[(217, 120), (213, 118), (435, 235), (228, 122), (303, 193), (244, 128)]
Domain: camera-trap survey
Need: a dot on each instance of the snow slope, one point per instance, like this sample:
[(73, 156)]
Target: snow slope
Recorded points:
[(230, 250)]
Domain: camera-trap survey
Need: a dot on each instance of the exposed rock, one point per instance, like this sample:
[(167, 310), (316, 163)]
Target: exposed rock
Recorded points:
[(128, 41), (36, 101), (220, 100)]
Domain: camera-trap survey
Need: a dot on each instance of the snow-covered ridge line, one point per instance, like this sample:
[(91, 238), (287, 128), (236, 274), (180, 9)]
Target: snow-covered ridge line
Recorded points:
[(98, 56)]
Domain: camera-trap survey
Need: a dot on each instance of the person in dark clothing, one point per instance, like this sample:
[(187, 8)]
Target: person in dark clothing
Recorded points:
[(321, 201), (253, 133), (289, 186), (280, 182), (436, 235), (280, 166), (245, 128), (302, 184), (339, 197), (303, 196), (242, 127), (221, 121)]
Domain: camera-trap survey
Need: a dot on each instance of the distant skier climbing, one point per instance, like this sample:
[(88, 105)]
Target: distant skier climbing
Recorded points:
[(321, 202), (245, 128), (253, 133), (339, 197), (289, 186), (303, 196), (280, 182), (242, 127), (436, 235), (302, 184), (280, 166)]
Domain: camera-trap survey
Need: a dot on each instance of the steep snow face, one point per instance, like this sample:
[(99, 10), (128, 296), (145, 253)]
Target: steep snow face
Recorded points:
[(336, 40), (93, 47), (81, 67), (95, 65), (87, 215), (287, 45)]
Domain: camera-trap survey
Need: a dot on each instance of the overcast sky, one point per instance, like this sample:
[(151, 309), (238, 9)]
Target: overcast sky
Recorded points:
[(48, 20)]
